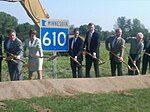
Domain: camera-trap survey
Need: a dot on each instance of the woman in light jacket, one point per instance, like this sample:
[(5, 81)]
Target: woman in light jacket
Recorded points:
[(35, 60)]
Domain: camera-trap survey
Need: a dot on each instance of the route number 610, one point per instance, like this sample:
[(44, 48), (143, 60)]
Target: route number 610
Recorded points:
[(48, 41)]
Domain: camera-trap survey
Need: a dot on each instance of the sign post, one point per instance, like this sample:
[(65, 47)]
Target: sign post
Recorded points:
[(54, 37), (54, 66)]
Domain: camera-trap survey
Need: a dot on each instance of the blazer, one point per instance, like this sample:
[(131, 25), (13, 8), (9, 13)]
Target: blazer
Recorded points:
[(94, 44), (15, 49), (77, 48), (136, 47), (1, 53), (117, 48), (146, 46)]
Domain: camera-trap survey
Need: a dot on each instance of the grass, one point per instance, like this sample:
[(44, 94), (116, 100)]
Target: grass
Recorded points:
[(136, 101), (64, 69)]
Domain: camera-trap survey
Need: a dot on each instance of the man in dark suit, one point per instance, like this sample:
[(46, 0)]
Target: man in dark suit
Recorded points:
[(92, 44), (76, 53), (115, 46), (14, 51), (146, 56), (1, 58)]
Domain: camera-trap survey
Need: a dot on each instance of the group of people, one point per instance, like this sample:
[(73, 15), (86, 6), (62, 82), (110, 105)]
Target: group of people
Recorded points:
[(13, 48), (115, 45), (91, 49), (117, 49)]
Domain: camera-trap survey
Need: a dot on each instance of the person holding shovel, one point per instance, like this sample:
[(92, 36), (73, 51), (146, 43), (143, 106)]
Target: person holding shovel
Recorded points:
[(135, 53), (14, 51), (91, 45), (146, 57), (76, 54), (114, 44), (35, 60), (1, 58)]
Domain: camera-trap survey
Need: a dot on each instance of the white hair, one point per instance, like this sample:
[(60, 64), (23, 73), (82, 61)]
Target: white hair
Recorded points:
[(140, 35)]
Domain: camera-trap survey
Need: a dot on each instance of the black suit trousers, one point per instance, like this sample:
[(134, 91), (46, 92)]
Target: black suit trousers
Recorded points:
[(76, 69), (89, 61), (0, 70), (146, 61), (116, 65)]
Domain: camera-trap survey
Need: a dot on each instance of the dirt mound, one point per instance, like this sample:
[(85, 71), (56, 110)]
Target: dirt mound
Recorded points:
[(46, 87)]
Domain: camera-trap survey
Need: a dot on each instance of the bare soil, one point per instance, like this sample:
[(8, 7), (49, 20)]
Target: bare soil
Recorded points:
[(47, 87)]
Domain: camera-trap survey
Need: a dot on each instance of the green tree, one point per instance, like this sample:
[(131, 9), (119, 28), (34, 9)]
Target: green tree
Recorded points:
[(23, 30), (7, 21), (71, 28), (83, 29), (125, 25), (105, 34), (98, 30), (137, 26), (131, 28)]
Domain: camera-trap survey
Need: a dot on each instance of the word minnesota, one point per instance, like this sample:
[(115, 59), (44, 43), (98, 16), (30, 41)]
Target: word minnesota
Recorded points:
[(57, 23)]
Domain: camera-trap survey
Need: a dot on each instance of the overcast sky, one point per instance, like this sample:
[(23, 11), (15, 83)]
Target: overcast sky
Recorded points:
[(79, 12)]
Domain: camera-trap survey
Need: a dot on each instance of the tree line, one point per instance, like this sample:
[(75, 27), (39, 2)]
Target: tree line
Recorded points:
[(128, 26)]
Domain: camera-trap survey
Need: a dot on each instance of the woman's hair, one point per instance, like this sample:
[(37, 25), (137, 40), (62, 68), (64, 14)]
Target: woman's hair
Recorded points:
[(32, 31)]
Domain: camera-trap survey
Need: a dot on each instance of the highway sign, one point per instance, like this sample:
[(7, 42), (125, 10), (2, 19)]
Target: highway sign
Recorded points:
[(54, 35)]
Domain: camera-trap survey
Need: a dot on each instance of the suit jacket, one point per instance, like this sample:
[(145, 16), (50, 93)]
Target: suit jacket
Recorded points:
[(94, 44), (15, 49), (136, 47), (77, 48), (1, 38), (117, 48), (146, 46)]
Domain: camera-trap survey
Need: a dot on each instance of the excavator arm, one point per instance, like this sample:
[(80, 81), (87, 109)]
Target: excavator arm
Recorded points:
[(33, 8)]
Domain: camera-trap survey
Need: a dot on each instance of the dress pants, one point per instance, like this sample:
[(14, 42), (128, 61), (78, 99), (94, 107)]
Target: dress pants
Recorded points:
[(130, 63), (115, 65), (89, 61), (145, 62), (0, 70), (15, 70), (76, 69)]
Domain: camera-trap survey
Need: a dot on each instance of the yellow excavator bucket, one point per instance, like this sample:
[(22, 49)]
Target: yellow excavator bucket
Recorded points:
[(34, 10)]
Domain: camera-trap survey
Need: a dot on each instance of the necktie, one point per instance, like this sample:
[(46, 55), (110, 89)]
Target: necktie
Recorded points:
[(114, 42), (89, 40), (11, 44), (72, 44)]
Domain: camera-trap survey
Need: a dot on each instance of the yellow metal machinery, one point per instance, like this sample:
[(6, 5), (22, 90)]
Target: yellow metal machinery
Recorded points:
[(33, 8)]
